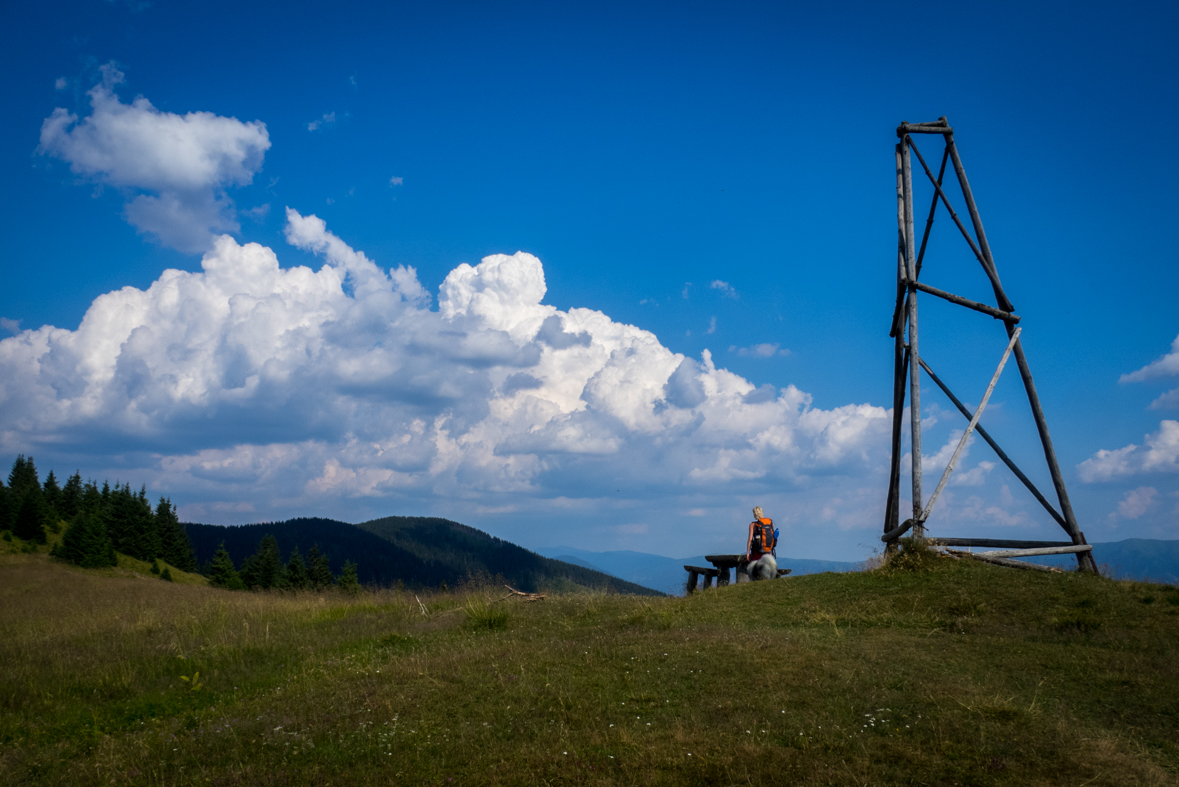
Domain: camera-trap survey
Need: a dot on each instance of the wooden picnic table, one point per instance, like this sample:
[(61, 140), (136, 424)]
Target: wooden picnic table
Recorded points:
[(720, 571)]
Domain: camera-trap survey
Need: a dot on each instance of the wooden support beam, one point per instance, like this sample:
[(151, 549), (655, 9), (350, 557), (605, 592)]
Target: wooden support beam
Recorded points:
[(914, 371), (995, 543), (970, 428), (932, 209), (978, 253), (892, 506), (923, 128), (991, 442), (897, 532), (899, 314), (1085, 560), (1002, 561), (998, 314), (1071, 549), (987, 260)]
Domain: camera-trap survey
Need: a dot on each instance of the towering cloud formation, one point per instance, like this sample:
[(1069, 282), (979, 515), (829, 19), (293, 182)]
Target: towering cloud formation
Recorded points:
[(174, 168), (301, 385)]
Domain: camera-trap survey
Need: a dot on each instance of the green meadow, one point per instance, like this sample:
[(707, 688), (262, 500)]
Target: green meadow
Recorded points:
[(940, 672)]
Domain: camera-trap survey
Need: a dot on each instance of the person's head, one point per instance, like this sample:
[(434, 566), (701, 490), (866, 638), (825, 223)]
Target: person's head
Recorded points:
[(758, 513)]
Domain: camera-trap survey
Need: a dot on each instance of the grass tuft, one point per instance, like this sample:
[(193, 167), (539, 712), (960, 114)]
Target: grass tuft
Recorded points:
[(484, 615)]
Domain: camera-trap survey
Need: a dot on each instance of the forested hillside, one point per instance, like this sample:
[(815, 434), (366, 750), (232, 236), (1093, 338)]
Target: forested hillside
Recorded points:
[(417, 551)]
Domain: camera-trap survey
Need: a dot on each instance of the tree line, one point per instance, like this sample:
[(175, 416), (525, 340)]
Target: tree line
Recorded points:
[(98, 522), (266, 570)]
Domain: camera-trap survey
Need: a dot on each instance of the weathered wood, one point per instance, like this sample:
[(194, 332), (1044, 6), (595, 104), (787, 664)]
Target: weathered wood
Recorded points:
[(708, 581), (987, 260), (929, 219), (991, 442), (923, 128), (953, 215), (1068, 550), (892, 506), (914, 370), (692, 579), (897, 532), (783, 572), (969, 429), (702, 570), (1085, 560), (998, 314), (996, 543), (1001, 561), (898, 314)]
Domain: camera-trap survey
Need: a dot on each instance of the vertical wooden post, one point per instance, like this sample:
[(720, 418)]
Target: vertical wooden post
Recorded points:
[(914, 368), (900, 357)]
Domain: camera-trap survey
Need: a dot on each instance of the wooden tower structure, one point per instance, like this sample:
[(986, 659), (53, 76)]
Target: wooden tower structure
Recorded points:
[(908, 363)]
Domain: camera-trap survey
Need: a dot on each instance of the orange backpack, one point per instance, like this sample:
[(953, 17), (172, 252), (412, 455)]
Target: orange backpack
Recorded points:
[(763, 536)]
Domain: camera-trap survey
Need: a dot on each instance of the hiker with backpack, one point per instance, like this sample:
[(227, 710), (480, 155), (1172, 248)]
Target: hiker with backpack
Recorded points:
[(760, 548)]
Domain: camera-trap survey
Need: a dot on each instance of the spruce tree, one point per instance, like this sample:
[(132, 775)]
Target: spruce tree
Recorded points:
[(52, 495), (166, 575), (71, 498), (221, 572), (349, 582), (297, 571), (174, 544), (7, 512), (264, 569), (319, 570), (23, 477), (85, 542), (132, 523), (29, 519)]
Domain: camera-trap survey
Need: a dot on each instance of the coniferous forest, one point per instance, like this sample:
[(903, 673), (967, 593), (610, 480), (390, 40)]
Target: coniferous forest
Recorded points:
[(94, 522)]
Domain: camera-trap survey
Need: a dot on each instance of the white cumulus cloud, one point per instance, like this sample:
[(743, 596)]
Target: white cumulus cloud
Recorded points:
[(292, 386), (174, 169), (1165, 366), (1136, 503), (1159, 453)]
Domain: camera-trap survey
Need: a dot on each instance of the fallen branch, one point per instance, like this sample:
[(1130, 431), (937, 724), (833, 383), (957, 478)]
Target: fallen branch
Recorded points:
[(526, 596)]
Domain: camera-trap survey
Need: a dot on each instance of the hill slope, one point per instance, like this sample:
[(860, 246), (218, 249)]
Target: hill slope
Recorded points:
[(960, 674), (467, 551), (421, 552)]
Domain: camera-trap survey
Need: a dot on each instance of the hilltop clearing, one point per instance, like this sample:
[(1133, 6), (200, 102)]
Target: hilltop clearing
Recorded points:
[(961, 673)]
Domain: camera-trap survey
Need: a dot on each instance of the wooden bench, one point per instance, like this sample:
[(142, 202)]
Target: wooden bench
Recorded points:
[(720, 571), (694, 574)]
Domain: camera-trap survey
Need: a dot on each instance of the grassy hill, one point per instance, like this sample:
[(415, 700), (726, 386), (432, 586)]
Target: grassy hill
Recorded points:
[(961, 673), (417, 551)]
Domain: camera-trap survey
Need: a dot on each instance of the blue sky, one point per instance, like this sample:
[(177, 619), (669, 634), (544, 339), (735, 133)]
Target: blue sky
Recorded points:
[(717, 176)]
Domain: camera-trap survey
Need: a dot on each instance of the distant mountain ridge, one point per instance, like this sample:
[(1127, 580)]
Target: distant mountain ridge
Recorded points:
[(1143, 559), (419, 551)]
